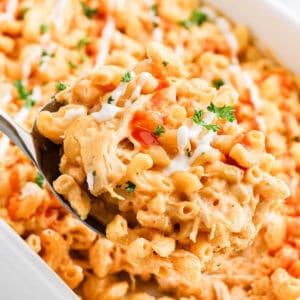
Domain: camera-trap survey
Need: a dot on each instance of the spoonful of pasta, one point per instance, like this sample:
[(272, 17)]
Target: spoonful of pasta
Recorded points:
[(45, 155)]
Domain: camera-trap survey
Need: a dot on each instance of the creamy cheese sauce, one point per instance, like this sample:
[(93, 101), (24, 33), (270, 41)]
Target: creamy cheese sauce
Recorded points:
[(157, 35), (104, 41)]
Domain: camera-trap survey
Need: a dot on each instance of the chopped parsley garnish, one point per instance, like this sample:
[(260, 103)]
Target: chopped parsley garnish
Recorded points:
[(188, 152), (24, 11), (60, 86), (187, 24), (94, 173), (46, 53), (197, 118), (296, 139), (154, 9), (130, 187), (197, 18), (83, 57), (212, 127), (222, 112), (72, 65), (159, 129), (110, 100), (165, 63), (44, 28), (217, 83), (89, 12), (39, 180), (23, 93), (82, 43), (29, 103), (126, 77)]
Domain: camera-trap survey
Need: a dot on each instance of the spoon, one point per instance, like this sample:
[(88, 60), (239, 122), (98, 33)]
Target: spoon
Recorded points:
[(45, 155)]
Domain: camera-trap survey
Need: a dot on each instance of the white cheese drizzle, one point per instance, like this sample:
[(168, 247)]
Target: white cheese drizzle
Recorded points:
[(21, 115), (224, 26), (182, 162), (37, 94), (157, 35), (90, 180), (29, 189), (57, 15), (6, 93), (104, 41), (72, 113), (138, 89), (4, 144), (109, 110), (11, 7), (31, 58)]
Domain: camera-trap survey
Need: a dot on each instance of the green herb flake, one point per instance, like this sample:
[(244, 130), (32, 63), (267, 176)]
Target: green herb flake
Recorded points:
[(110, 100), (89, 12), (296, 139), (23, 94), (165, 63), (198, 17), (212, 127), (24, 11), (159, 129), (154, 9), (29, 103), (72, 65), (187, 24), (126, 77), (197, 117), (217, 83), (94, 173), (60, 86), (222, 112), (44, 28), (130, 188), (188, 152), (39, 180), (82, 43)]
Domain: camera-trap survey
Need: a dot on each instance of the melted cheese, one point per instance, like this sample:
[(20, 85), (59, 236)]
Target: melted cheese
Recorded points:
[(90, 180), (204, 145), (71, 113), (182, 137), (261, 123), (104, 42)]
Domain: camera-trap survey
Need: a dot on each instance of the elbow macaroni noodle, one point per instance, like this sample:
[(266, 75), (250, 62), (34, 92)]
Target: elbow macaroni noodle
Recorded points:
[(193, 213)]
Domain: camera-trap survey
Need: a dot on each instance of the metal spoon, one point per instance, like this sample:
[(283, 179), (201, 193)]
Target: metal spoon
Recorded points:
[(45, 155)]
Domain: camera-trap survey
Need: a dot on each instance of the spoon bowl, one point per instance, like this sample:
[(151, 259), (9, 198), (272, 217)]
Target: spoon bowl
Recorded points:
[(45, 155)]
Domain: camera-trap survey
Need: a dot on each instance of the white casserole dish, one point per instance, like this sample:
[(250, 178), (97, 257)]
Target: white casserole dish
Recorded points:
[(275, 23)]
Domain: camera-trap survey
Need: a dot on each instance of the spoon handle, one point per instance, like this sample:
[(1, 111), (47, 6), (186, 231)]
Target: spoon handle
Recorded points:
[(17, 135)]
